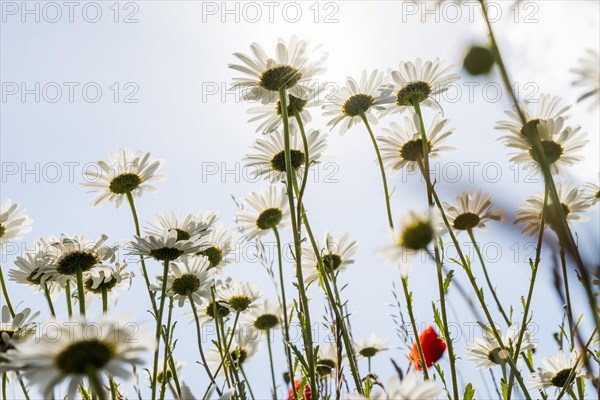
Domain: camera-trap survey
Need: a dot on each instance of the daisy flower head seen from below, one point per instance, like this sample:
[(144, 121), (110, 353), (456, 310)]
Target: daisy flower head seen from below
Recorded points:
[(168, 245), (267, 156), (417, 231), (371, 345), (270, 117), (558, 371), (186, 226), (591, 192), (106, 279), (14, 223), (487, 353), (82, 350), (559, 143), (244, 345), (472, 211), (32, 270), (15, 329), (402, 144), (407, 388), (188, 277), (419, 83), (266, 315), (218, 247), (335, 252), (293, 69), (351, 102), (262, 211), (588, 77), (125, 173), (572, 202), (239, 296), (544, 108), (327, 359), (433, 347), (68, 255)]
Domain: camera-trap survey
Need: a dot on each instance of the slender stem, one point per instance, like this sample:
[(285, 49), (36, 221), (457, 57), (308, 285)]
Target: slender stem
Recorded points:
[(247, 381), (104, 300), (286, 324), (5, 293), (113, 389), (49, 299), (290, 180), (220, 341), (80, 291), (199, 336), (159, 319), (563, 263), (413, 324), (166, 353), (487, 277), (96, 384), (268, 332), (381, 169), (369, 364), (235, 321), (4, 382), (22, 384), (439, 269), (68, 298)]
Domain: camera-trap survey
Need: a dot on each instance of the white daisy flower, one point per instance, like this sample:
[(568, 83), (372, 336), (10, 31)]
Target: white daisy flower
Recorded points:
[(544, 108), (15, 329), (560, 144), (67, 255), (293, 68), (571, 201), (371, 345), (557, 370), (32, 271), (244, 345), (186, 225), (239, 296), (327, 359), (169, 375), (419, 83), (263, 210), (189, 276), (208, 308), (218, 247), (14, 223), (588, 73), (336, 254), (349, 103), (472, 211), (265, 315), (83, 349), (108, 278), (409, 388), (402, 144), (267, 155), (166, 246), (487, 353), (271, 119), (591, 192), (125, 172)]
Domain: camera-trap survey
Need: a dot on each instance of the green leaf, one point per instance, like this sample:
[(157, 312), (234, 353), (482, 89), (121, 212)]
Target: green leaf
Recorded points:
[(448, 280), (469, 392)]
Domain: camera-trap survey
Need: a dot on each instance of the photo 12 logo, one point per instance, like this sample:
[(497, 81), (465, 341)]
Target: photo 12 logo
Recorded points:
[(270, 12), (53, 12)]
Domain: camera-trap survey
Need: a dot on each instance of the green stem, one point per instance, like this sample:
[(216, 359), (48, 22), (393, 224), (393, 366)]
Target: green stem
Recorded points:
[(220, 342), (68, 298), (382, 170), (268, 332), (23, 387), (247, 381), (413, 324), (5, 293), (286, 325), (4, 382), (80, 291), (440, 278), (49, 299), (166, 354), (563, 263), (104, 300), (113, 389), (487, 277), (200, 349), (304, 312), (159, 319)]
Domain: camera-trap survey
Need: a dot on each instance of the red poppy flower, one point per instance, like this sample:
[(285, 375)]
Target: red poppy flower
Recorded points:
[(307, 392), (433, 348)]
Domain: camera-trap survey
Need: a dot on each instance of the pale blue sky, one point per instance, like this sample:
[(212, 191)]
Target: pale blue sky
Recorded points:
[(176, 51)]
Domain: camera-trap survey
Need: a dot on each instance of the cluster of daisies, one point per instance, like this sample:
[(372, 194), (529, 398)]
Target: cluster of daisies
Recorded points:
[(191, 251)]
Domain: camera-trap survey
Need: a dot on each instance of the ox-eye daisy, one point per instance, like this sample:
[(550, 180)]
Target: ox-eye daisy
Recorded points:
[(589, 77), (263, 211), (188, 277), (591, 192), (357, 99), (105, 279), (239, 296), (14, 223), (292, 69), (219, 246), (32, 271), (472, 211), (244, 345), (486, 352), (126, 173), (558, 371), (336, 254), (166, 246), (267, 155), (407, 388), (15, 329), (186, 225), (266, 315)]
